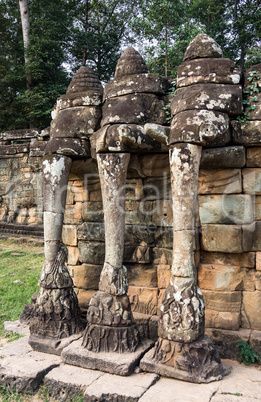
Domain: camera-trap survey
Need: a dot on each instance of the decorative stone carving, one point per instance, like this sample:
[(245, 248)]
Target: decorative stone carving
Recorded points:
[(110, 323), (130, 101), (76, 116), (197, 362), (182, 351), (133, 98)]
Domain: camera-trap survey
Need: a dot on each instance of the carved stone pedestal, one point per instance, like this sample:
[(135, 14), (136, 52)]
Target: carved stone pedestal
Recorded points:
[(57, 320), (197, 362), (110, 325), (181, 351)]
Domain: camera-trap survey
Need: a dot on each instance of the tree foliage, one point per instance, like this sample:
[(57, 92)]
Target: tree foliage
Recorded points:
[(166, 27), (234, 24), (107, 29), (64, 34)]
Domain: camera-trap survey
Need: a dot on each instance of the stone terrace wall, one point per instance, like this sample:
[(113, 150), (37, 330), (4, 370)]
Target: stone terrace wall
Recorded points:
[(21, 198), (229, 242)]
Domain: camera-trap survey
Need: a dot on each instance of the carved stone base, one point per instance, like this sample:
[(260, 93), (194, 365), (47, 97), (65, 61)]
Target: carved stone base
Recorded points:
[(119, 364), (101, 338), (110, 310), (56, 314), (51, 346), (197, 362)]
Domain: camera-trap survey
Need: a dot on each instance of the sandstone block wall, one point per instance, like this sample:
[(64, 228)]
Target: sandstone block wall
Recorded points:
[(21, 198), (228, 244)]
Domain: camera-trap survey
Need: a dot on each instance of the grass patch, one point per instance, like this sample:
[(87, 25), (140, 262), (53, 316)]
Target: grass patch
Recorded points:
[(20, 267)]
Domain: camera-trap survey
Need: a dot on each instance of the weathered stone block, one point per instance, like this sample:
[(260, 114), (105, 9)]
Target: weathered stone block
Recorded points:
[(137, 212), (144, 83), (134, 109), (136, 235), (226, 341), (257, 205), (162, 256), (143, 300), (92, 211), (91, 252), (87, 276), (249, 280), (258, 261), (223, 320), (219, 277), (202, 46), (246, 260), (84, 297), (249, 236), (236, 209), (69, 235), (222, 98), (22, 370), (203, 127), (156, 165), (224, 238), (163, 274), (91, 231), (69, 147), (142, 275), (248, 134), (256, 237), (162, 213), (219, 181), (208, 70), (157, 188), (252, 180), (253, 157), (66, 382), (84, 166), (224, 157), (73, 214), (73, 255), (255, 341), (257, 284), (109, 387), (134, 189), (142, 323), (71, 123), (164, 237), (139, 254), (251, 310), (223, 301), (153, 327)]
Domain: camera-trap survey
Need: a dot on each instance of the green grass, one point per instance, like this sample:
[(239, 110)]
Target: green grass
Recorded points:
[(21, 263)]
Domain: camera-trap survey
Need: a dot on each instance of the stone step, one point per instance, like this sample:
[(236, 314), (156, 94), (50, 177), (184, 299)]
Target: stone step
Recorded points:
[(25, 370)]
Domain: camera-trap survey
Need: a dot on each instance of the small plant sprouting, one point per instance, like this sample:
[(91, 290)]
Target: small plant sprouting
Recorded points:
[(246, 354), (249, 92)]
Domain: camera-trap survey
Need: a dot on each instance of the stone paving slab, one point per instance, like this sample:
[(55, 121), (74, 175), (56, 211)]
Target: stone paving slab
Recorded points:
[(114, 388), (114, 363), (22, 369), (243, 381), (52, 346), (168, 389), (243, 384), (16, 326), (66, 382), (25, 369)]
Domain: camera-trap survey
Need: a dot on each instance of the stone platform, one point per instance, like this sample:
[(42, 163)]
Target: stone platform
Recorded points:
[(25, 370)]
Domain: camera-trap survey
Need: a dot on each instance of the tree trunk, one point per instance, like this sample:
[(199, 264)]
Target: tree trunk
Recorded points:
[(166, 52), (86, 30), (24, 11)]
